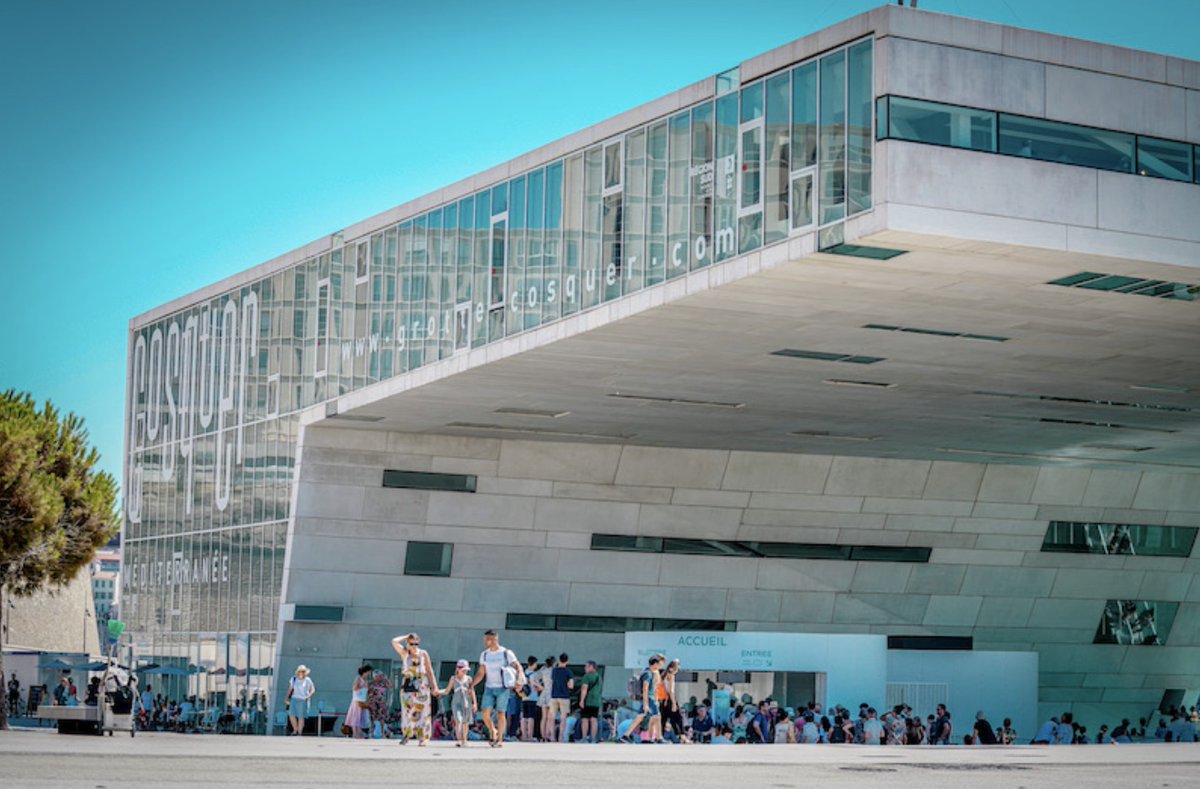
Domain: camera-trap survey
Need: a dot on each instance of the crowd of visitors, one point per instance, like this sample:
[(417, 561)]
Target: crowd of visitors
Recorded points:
[(546, 701)]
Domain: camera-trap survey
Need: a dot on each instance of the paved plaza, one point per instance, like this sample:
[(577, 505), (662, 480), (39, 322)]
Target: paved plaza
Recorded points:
[(44, 759)]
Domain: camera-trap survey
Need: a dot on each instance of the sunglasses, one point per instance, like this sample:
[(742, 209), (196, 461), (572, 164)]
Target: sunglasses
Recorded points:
[(414, 644)]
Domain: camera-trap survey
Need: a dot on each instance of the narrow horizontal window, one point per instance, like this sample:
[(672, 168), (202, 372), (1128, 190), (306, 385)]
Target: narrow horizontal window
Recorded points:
[(531, 622), (622, 542), (888, 553), (931, 642), (1135, 623), (1120, 539), (941, 124), (705, 547), (609, 624), (425, 480), (1066, 143), (1164, 159), (428, 558), (756, 549), (799, 550), (693, 624), (318, 613)]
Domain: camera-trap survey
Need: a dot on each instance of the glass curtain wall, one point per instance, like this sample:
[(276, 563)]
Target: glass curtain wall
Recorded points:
[(216, 388)]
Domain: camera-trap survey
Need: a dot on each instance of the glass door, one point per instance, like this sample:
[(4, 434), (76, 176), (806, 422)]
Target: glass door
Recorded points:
[(803, 198)]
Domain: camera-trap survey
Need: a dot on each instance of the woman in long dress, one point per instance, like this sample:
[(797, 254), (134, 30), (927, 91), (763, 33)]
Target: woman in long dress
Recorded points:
[(418, 685)]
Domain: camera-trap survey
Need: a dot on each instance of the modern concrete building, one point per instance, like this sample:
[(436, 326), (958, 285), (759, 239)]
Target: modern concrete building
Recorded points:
[(888, 331)]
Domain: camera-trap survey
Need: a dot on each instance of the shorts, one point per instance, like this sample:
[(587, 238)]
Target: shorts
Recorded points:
[(529, 708), (560, 707), (588, 713), (651, 710), (496, 698), (298, 708)]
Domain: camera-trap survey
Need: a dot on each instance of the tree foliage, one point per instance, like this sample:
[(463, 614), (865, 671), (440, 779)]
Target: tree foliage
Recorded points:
[(56, 506)]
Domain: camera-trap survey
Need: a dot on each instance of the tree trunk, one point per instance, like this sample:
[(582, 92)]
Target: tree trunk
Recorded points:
[(3, 682)]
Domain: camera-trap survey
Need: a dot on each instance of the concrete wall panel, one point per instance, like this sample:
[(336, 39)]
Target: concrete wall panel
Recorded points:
[(1086, 97), (955, 75)]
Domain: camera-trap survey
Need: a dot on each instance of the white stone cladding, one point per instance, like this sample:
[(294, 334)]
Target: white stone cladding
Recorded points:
[(521, 544)]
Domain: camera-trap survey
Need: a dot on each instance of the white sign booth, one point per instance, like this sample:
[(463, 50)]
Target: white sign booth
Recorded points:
[(850, 669)]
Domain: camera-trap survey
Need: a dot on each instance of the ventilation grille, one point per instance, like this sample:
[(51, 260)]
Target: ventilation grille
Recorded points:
[(1116, 283), (859, 251)]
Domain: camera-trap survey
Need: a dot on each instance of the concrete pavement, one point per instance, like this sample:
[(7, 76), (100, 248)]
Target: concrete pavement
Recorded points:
[(45, 760)]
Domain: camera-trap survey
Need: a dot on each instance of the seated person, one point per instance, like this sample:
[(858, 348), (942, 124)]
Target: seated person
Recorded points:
[(702, 725)]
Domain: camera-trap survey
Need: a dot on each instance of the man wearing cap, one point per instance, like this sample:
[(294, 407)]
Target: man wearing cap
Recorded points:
[(300, 690)]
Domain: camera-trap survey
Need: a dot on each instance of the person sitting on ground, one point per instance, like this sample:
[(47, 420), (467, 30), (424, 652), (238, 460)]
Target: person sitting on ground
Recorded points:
[(983, 733), (702, 725), (1007, 734), (1047, 733)]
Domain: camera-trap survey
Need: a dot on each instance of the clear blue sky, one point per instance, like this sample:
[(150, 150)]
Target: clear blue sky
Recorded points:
[(149, 148)]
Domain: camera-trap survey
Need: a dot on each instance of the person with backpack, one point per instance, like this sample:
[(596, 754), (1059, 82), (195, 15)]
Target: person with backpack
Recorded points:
[(503, 674), (647, 688)]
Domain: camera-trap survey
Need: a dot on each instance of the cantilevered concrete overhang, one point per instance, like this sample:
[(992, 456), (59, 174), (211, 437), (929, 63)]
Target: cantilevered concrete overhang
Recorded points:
[(1052, 374)]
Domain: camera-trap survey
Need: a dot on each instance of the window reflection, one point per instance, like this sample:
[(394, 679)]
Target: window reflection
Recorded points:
[(714, 178)]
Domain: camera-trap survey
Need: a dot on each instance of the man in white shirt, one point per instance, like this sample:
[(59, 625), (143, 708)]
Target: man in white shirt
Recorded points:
[(500, 667)]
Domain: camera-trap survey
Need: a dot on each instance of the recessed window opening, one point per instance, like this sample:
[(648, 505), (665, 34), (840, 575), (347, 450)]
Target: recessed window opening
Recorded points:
[(825, 356), (758, 549)]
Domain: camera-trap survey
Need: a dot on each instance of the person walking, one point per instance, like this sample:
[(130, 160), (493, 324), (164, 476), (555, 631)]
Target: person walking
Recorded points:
[(589, 703), (14, 695), (300, 690), (562, 682), (356, 714), (503, 674), (670, 703), (462, 702), (417, 683), (379, 691), (650, 712)]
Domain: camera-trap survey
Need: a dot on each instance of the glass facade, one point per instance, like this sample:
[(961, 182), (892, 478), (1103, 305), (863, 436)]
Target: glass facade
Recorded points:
[(215, 389)]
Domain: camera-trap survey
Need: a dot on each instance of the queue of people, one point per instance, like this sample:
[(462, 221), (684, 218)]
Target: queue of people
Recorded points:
[(545, 701)]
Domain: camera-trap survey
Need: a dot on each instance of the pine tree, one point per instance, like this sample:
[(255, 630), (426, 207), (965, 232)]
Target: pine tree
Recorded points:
[(56, 506)]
